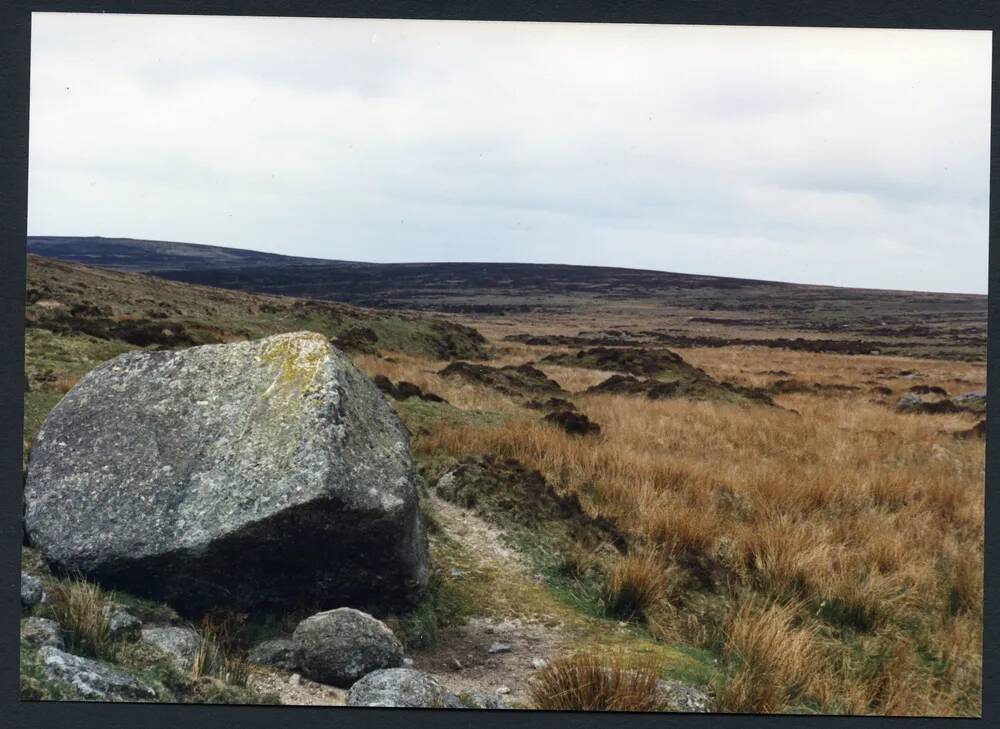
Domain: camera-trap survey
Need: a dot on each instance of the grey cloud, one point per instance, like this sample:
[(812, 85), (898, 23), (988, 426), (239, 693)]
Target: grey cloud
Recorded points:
[(828, 156)]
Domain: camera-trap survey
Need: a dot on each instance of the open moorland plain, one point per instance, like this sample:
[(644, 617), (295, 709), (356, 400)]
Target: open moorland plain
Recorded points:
[(641, 490)]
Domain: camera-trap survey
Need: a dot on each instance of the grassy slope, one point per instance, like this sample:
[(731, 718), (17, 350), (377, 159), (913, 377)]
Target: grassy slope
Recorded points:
[(78, 316), (830, 558)]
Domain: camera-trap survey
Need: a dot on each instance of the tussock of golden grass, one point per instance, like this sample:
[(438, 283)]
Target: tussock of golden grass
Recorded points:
[(773, 659), (217, 655), (596, 682), (637, 583), (872, 521), (577, 561), (65, 383), (78, 607), (786, 558), (679, 528)]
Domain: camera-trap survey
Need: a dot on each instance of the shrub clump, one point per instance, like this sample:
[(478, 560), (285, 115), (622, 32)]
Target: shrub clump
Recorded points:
[(637, 583), (597, 682), (78, 607)]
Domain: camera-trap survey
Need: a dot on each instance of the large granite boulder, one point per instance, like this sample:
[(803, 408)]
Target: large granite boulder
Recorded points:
[(338, 647), (244, 475)]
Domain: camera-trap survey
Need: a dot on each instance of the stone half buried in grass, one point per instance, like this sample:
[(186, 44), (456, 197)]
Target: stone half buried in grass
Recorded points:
[(914, 403), (266, 473)]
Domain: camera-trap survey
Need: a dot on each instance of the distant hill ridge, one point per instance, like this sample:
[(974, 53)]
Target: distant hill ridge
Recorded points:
[(695, 310), (482, 288)]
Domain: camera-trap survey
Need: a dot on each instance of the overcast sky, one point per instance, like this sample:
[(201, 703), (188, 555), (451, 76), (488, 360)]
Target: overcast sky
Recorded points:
[(848, 157)]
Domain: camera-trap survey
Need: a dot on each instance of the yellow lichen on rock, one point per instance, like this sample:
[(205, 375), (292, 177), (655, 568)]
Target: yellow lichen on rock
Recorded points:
[(297, 359)]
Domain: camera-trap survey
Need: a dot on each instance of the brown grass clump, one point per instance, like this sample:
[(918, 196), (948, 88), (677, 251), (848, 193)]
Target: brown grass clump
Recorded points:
[(636, 584), (773, 657), (78, 607), (65, 383), (680, 528), (218, 655), (577, 561), (596, 682)]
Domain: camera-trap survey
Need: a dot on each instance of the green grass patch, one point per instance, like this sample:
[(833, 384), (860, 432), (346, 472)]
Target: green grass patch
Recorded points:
[(422, 415), (66, 354), (37, 406)]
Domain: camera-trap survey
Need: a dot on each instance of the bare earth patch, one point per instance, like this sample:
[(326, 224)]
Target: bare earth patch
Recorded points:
[(293, 690), (461, 658)]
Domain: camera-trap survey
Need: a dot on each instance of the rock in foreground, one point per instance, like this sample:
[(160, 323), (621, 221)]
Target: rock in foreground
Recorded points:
[(38, 632), (278, 653), (401, 688), (32, 592), (180, 644), (241, 475), (338, 647), (93, 680)]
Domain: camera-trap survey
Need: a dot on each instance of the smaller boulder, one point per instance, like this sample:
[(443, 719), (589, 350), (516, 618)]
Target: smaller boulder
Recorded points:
[(401, 688), (338, 647), (181, 644), (31, 591), (480, 700), (122, 625), (277, 653), (973, 401), (38, 632), (913, 403), (93, 680), (574, 423), (683, 697)]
